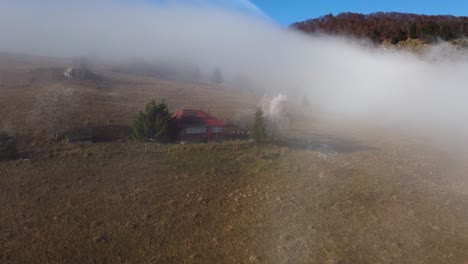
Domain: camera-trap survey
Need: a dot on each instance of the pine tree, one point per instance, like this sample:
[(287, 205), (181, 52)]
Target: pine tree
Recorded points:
[(153, 123), (258, 132)]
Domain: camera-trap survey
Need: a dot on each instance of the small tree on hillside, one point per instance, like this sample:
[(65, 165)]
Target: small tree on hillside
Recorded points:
[(258, 132), (153, 123), (217, 77)]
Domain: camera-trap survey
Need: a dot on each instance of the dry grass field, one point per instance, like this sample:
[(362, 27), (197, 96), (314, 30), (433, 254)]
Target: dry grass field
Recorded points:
[(332, 195)]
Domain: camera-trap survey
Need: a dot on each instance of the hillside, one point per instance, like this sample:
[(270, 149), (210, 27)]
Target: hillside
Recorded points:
[(393, 27), (116, 96), (335, 192)]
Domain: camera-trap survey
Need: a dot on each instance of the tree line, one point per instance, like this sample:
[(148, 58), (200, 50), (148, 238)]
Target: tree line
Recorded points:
[(390, 26)]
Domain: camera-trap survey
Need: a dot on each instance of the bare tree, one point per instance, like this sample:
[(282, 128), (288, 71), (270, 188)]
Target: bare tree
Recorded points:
[(54, 109), (277, 114)]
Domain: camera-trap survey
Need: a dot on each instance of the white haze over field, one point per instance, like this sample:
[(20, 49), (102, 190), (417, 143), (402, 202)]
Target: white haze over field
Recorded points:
[(339, 77)]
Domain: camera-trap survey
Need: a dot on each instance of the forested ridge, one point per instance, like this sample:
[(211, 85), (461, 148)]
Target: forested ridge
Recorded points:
[(391, 26)]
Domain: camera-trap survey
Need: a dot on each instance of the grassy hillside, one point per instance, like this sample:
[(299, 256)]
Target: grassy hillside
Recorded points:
[(115, 96)]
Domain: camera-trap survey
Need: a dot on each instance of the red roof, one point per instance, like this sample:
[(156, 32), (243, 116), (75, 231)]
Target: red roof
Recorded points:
[(195, 118)]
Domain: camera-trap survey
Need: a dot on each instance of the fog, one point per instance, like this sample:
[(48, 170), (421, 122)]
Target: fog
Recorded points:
[(339, 77)]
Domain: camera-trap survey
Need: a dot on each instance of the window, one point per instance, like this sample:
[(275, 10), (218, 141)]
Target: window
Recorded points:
[(217, 129), (195, 130)]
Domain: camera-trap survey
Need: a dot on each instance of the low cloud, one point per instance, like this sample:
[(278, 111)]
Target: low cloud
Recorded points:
[(339, 77)]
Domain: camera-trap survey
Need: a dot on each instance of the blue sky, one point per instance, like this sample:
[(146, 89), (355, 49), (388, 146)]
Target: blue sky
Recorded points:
[(288, 11)]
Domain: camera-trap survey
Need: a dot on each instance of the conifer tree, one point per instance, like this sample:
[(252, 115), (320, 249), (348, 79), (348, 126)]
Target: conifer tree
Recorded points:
[(153, 123), (258, 132)]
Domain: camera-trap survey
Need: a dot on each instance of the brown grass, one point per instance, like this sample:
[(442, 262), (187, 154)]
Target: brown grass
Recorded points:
[(228, 203)]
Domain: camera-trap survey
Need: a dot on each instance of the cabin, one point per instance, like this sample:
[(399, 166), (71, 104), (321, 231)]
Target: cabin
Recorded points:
[(197, 126)]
